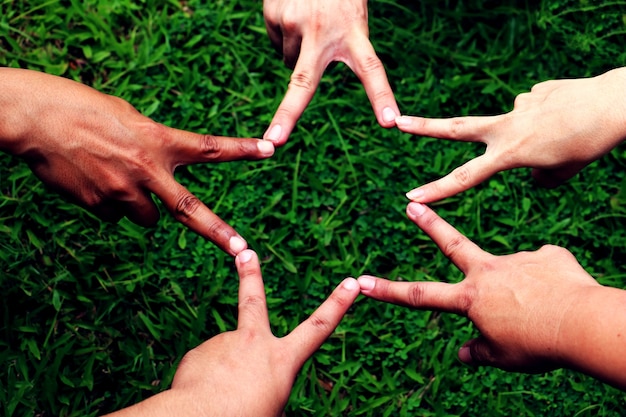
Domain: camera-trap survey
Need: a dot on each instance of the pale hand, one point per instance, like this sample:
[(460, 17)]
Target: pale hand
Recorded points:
[(557, 129), (249, 371), (313, 33)]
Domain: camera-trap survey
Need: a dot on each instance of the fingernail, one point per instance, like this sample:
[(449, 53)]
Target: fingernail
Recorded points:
[(237, 244), (403, 121), (265, 147), (350, 284), (415, 194), (245, 256), (416, 209), (366, 283), (465, 355), (274, 133), (389, 115)]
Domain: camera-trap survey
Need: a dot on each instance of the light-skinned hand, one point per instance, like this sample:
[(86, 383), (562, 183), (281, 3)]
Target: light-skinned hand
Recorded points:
[(313, 33), (557, 129), (535, 311), (249, 371), (104, 155)]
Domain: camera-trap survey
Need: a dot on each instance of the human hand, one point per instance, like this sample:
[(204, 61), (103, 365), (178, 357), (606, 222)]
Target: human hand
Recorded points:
[(525, 305), (557, 129), (313, 33), (247, 372), (103, 154)]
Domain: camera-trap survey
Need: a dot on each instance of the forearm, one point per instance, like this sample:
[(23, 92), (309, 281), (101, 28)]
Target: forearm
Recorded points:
[(12, 85), (593, 335), (170, 403)]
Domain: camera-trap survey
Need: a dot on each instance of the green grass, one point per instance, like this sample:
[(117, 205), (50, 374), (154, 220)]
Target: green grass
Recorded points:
[(94, 316)]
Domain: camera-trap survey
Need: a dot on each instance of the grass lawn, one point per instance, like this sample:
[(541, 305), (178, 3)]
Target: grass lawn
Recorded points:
[(95, 316)]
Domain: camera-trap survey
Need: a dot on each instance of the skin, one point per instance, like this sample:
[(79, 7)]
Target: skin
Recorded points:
[(249, 371), (313, 33), (535, 311), (556, 129), (101, 153)]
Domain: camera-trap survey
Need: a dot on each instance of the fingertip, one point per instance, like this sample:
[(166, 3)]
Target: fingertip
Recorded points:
[(237, 244), (245, 256), (389, 116), (415, 209), (350, 284), (416, 195), (403, 122), (465, 354), (274, 134), (366, 283), (266, 148)]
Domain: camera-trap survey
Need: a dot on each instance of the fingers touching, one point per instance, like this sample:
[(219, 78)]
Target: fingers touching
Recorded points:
[(189, 148), (305, 339)]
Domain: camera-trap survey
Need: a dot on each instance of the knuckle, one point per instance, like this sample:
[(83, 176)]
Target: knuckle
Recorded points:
[(520, 100), (457, 127), (453, 246), (465, 299), (186, 206), (416, 295), (321, 323), (303, 80), (252, 303), (210, 147), (370, 64), (553, 251), (462, 175)]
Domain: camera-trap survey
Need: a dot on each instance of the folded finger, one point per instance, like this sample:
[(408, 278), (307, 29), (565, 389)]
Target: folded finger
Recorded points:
[(142, 211)]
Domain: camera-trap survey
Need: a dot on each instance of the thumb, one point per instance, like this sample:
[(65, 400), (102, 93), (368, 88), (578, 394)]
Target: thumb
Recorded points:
[(476, 352)]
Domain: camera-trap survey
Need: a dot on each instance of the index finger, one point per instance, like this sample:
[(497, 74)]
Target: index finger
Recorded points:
[(468, 129), (305, 339), (252, 301), (191, 148), (302, 85), (460, 250), (438, 296), (191, 212), (371, 71), (460, 179)]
